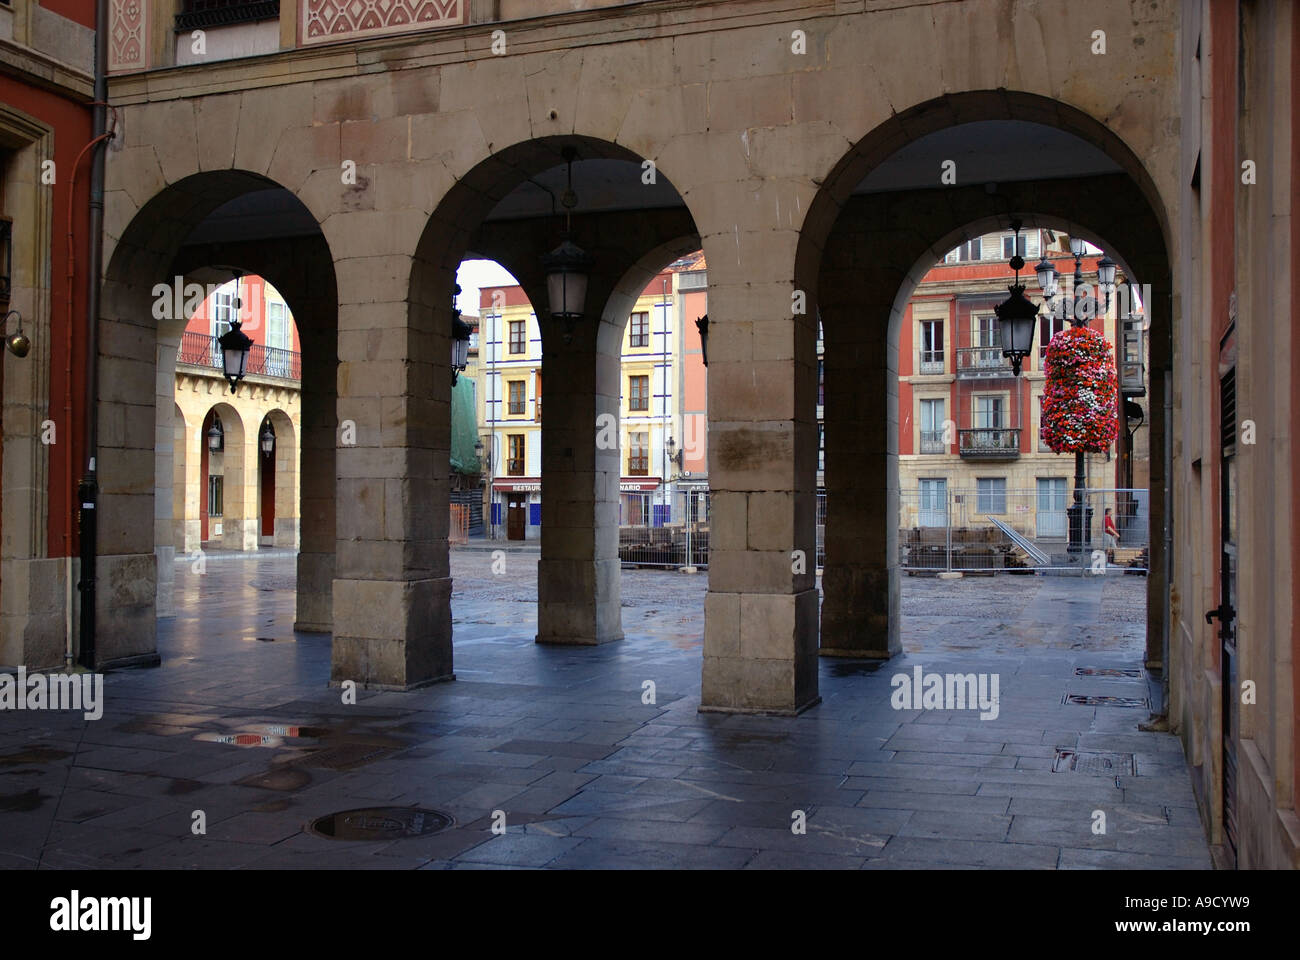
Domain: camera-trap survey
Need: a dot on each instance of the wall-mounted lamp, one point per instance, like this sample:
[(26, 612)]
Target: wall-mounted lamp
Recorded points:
[(702, 325), (19, 344), (216, 436), (267, 439)]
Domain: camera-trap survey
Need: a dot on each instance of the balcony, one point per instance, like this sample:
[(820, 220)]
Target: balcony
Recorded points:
[(201, 350), (931, 361), (989, 443), (982, 362), (932, 442)]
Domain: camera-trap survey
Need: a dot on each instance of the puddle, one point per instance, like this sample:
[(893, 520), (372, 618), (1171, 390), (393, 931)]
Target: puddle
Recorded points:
[(23, 802), (855, 668)]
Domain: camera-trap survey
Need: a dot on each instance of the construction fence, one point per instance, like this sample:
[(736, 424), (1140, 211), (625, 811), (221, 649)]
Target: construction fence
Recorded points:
[(989, 529), (665, 529)]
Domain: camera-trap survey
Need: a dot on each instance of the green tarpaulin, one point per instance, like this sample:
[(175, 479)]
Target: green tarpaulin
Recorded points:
[(463, 427)]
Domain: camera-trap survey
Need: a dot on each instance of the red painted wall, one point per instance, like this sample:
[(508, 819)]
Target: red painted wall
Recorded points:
[(252, 313), (71, 122)]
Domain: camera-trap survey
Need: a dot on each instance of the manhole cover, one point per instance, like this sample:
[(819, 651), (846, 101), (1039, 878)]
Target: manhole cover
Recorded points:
[(381, 823), (1094, 764), (1133, 674), (1091, 700)]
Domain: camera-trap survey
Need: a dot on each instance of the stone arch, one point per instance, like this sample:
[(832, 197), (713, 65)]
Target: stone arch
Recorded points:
[(878, 246), (141, 322), (283, 463), (579, 570), (234, 463)]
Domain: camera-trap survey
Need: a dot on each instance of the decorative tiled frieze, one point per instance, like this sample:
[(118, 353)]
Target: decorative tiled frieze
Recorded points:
[(128, 48), (324, 21)]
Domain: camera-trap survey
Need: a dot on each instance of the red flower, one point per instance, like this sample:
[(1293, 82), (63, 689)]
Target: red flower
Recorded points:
[(1081, 399)]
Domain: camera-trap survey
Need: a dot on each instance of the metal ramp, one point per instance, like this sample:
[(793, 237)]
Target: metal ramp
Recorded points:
[(1023, 543)]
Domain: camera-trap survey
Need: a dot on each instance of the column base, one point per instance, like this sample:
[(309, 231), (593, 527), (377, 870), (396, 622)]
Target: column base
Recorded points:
[(126, 625), (760, 653), (391, 634), (860, 612)]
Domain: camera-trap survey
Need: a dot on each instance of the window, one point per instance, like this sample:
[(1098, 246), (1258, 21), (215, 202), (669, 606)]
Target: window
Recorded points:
[(821, 383), (517, 336), (988, 412), (986, 331), (1049, 325), (1028, 245), (639, 336), (638, 454), (223, 311), (931, 346), (215, 496), (821, 446), (638, 389), (518, 397), (970, 250), (932, 439), (991, 494), (515, 463), (277, 326)]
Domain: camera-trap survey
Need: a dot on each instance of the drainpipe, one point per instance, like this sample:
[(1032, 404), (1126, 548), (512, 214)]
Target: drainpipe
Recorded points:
[(88, 491), (1167, 562)]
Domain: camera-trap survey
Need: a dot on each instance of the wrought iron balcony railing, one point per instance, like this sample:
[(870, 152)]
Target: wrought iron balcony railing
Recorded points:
[(932, 442), (989, 443), (982, 362), (931, 361), (201, 350)]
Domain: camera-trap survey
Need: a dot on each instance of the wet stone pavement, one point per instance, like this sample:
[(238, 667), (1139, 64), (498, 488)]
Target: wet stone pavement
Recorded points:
[(239, 723)]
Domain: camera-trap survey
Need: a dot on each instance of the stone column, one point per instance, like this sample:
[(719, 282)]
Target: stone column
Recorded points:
[(317, 473), (165, 472), (392, 588), (760, 617), (578, 596), (861, 580), (126, 572)]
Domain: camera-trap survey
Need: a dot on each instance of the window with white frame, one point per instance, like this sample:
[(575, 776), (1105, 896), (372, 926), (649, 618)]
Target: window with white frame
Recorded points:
[(931, 341), (988, 411), (991, 494), (931, 420)]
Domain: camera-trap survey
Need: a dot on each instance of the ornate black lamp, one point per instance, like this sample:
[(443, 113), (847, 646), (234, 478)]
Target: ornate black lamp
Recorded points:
[(235, 345), (568, 266), (1016, 315)]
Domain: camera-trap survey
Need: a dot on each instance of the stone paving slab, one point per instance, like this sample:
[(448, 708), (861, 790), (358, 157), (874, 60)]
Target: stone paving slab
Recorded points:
[(558, 741)]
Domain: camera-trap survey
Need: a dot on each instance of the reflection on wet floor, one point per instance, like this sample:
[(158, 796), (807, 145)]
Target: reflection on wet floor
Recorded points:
[(586, 774)]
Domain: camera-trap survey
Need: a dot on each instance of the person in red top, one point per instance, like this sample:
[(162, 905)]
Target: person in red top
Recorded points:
[(1111, 535)]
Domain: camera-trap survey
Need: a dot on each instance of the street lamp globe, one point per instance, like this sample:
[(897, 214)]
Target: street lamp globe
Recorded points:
[(1046, 272)]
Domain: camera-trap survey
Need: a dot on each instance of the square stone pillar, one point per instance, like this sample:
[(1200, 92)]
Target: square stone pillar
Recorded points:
[(317, 483), (165, 472), (760, 615), (861, 580), (392, 588), (578, 596)]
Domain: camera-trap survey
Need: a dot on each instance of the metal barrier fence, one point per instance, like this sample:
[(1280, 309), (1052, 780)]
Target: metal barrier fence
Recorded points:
[(458, 531), (991, 530), (667, 531)]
